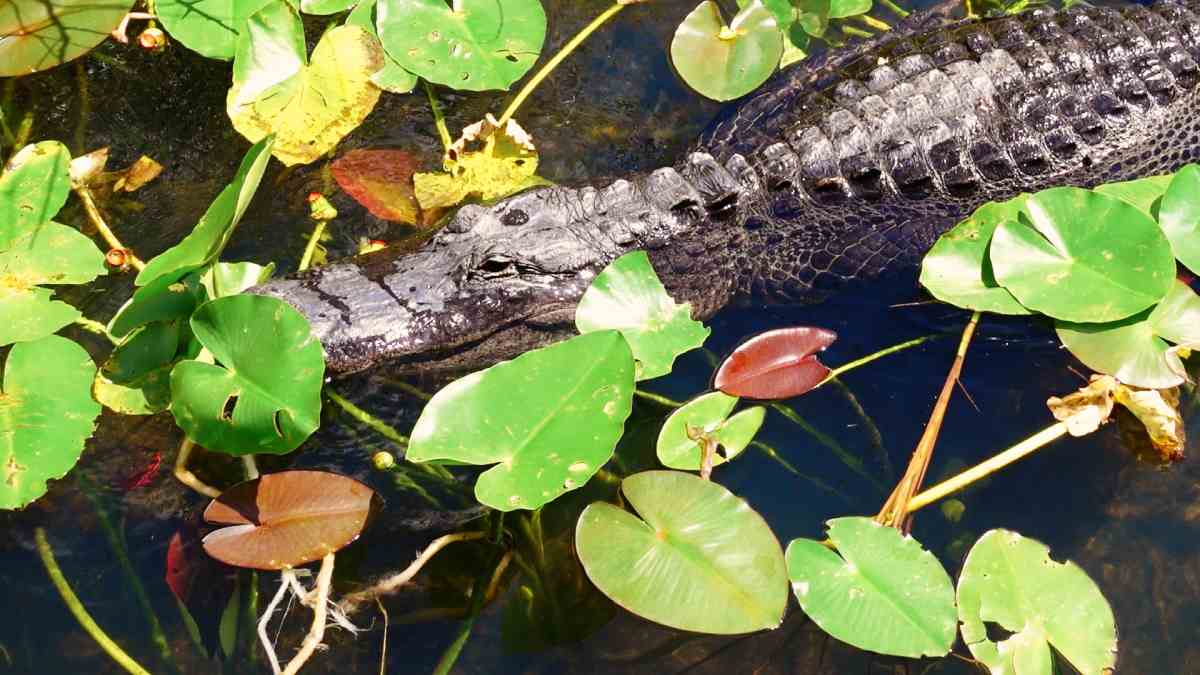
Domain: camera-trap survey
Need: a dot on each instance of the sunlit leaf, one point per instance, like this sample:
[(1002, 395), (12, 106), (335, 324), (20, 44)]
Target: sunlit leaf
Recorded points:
[(1083, 411), (1010, 581), (1179, 216), (698, 558), (309, 107), (677, 446), (486, 162), (883, 593), (813, 16), (46, 415), (957, 269), (1143, 193), (1068, 264), (841, 9), (779, 363), (265, 394), (210, 27), (286, 519), (724, 62), (548, 419), (382, 181), (325, 7), (33, 187), (224, 279), (391, 76), (472, 45), (1158, 411), (136, 378), (161, 300), (40, 34), (627, 296)]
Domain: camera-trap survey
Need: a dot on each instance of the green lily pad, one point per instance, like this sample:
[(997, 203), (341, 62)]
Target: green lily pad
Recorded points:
[(1143, 193), (1011, 581), (468, 44), (265, 394), (208, 238), (40, 34), (1179, 216), (628, 296), (957, 269), (136, 378), (46, 415), (885, 593), (210, 27), (1068, 265), (708, 414), (325, 7), (548, 420), (698, 558), (1135, 350), (225, 279), (309, 107), (725, 62), (813, 16), (163, 299), (392, 76), (33, 187), (841, 9)]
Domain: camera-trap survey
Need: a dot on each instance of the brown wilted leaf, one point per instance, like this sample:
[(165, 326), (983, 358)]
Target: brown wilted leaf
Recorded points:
[(1085, 410), (1158, 411)]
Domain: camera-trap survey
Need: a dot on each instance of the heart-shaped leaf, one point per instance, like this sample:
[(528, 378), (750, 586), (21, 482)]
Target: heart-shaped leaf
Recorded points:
[(210, 27), (471, 44), (884, 593), (1179, 216), (40, 34), (1010, 581), (309, 107), (725, 62), (286, 519), (382, 181), (46, 415), (265, 396), (1068, 266), (698, 558), (678, 446), (548, 419), (779, 363), (206, 241), (957, 269), (627, 296), (391, 76)]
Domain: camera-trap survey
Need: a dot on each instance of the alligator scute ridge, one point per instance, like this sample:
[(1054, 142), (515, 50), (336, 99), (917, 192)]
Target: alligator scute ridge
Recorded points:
[(839, 168)]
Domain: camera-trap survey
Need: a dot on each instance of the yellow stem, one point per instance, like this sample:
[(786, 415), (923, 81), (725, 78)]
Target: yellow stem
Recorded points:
[(93, 214), (311, 247), (187, 477)]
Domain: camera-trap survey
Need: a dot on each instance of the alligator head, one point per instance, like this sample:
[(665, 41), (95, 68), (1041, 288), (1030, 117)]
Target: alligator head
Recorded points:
[(499, 279)]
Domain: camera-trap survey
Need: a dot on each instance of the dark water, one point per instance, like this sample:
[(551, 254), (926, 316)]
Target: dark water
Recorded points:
[(613, 108)]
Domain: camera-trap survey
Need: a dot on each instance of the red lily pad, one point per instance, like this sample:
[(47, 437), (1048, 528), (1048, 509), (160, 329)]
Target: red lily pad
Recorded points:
[(286, 519), (380, 180), (776, 364)]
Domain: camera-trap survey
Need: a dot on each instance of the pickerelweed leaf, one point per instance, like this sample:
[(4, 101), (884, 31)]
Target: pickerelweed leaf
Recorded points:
[(841, 9), (677, 446), (883, 593), (136, 378), (382, 181), (779, 363), (1066, 263), (726, 62), (957, 269), (46, 415), (1144, 193), (472, 44), (698, 558), (224, 279), (1179, 216), (265, 396), (627, 296), (548, 419), (1011, 581), (1135, 350), (286, 519), (40, 34), (391, 76), (210, 27), (206, 241), (163, 299), (309, 107)]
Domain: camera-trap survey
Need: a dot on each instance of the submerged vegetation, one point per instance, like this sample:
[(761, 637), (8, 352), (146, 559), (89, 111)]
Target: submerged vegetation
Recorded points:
[(242, 374)]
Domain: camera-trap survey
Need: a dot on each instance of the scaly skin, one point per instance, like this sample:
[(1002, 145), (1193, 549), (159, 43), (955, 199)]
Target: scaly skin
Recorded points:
[(838, 169)]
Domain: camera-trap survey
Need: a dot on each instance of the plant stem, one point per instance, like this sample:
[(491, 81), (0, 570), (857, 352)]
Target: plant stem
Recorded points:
[(479, 595), (22, 136), (851, 461), (557, 59), (251, 467), (988, 466), (439, 120), (847, 367), (874, 23), (368, 419), (320, 605), (77, 609), (657, 398), (896, 9), (85, 109), (187, 477), (392, 583), (96, 327), (707, 458), (855, 32), (311, 246), (97, 220), (895, 510)]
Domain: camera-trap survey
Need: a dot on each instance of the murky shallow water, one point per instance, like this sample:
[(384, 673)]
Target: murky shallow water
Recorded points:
[(616, 107)]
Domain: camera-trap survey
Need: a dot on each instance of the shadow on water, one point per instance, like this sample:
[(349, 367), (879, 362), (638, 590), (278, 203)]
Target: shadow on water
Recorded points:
[(615, 107)]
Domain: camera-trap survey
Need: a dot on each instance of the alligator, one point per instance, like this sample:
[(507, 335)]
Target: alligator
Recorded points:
[(842, 167)]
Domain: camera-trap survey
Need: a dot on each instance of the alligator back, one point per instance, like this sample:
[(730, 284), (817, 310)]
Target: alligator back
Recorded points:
[(862, 159)]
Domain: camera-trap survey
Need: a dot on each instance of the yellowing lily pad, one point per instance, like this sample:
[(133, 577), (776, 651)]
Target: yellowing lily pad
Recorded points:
[(40, 34), (487, 162), (309, 106), (724, 62)]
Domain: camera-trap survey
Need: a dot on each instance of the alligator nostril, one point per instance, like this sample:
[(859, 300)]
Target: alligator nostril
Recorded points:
[(514, 218)]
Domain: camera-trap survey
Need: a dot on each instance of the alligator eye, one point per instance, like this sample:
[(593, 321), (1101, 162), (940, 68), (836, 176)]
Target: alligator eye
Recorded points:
[(497, 267)]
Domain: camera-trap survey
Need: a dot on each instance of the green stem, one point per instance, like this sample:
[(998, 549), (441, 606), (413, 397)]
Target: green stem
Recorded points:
[(77, 609), (894, 8), (872, 22), (657, 398), (439, 120), (384, 430), (557, 59), (855, 32), (311, 246), (96, 327), (853, 463), (847, 367)]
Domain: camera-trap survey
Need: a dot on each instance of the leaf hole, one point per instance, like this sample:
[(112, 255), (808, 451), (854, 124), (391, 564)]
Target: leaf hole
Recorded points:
[(227, 409), (511, 57), (276, 419), (997, 633)]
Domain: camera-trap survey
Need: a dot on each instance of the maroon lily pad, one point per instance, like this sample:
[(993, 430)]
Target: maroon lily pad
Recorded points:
[(286, 519), (776, 364), (380, 180)]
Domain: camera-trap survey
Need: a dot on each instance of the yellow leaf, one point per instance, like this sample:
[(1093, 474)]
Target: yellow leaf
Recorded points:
[(487, 162)]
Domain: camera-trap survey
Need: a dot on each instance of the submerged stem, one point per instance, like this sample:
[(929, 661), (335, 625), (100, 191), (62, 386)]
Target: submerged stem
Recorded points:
[(311, 246), (96, 327), (847, 367), (439, 120), (188, 478), (320, 605), (392, 583)]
